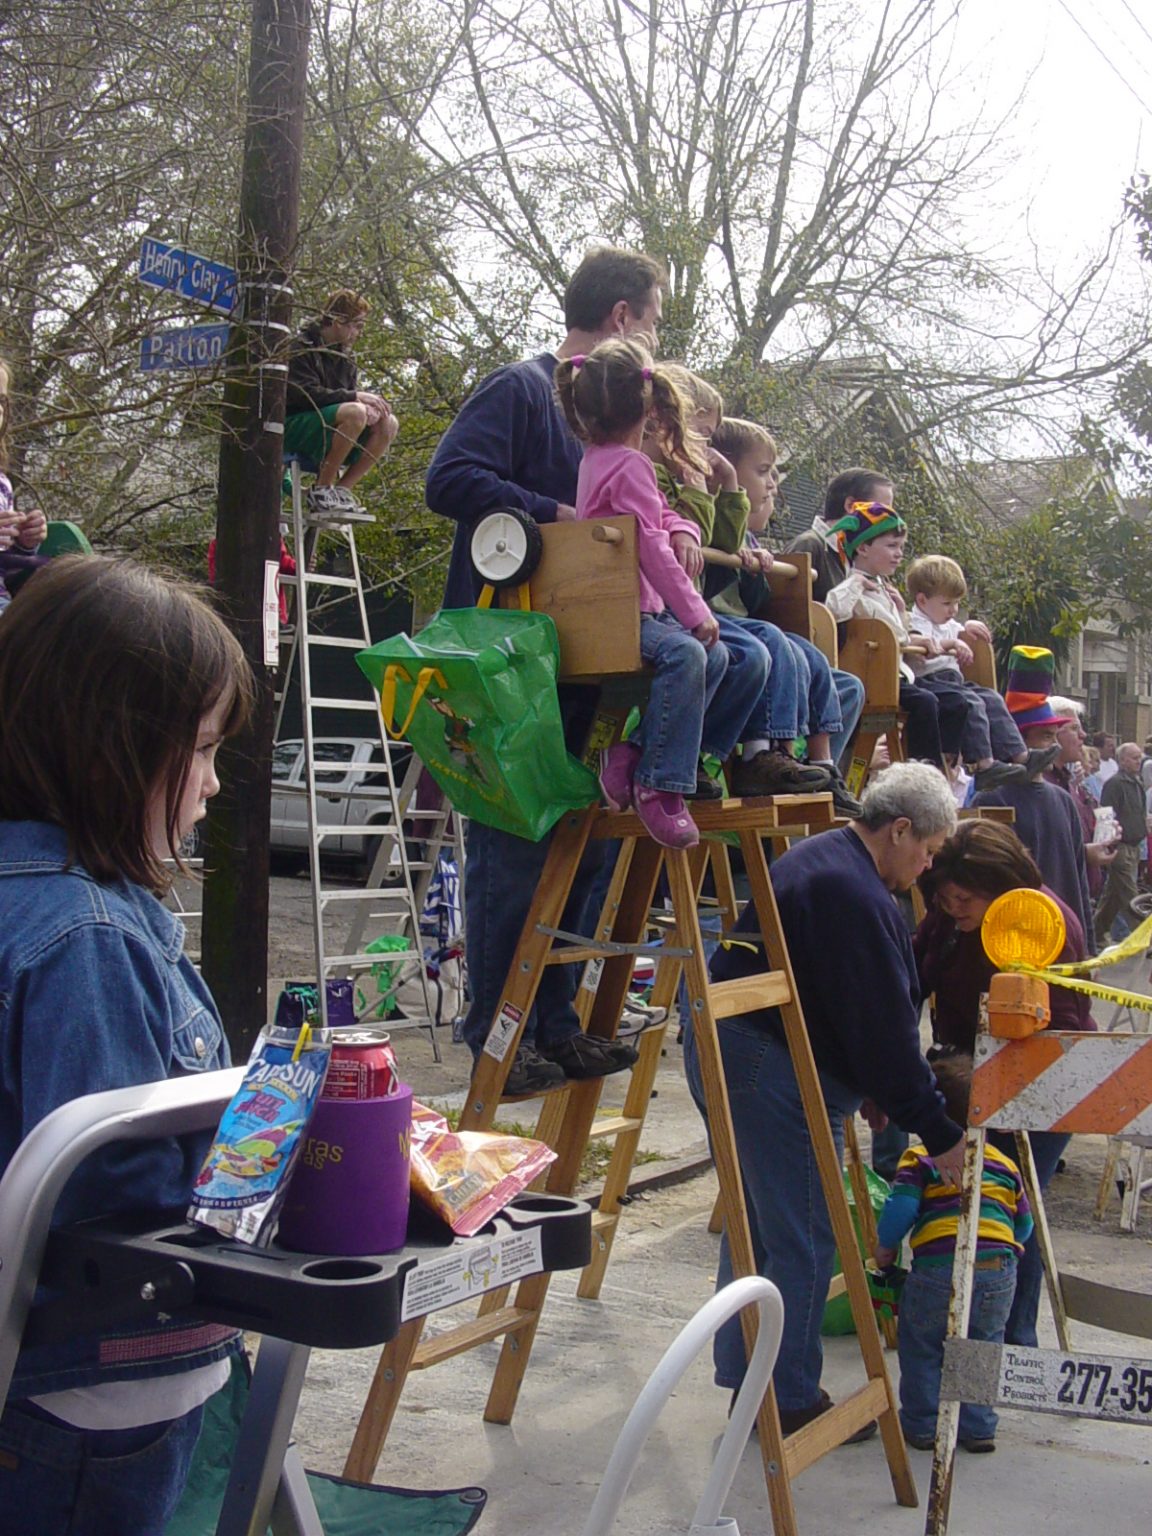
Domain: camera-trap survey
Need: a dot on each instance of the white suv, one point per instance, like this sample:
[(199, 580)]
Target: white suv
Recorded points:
[(344, 797)]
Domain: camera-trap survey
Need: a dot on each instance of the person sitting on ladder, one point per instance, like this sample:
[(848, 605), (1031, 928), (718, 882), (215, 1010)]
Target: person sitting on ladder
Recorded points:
[(329, 421), (701, 694)]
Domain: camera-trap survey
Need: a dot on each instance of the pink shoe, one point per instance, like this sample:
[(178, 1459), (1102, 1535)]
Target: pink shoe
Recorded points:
[(617, 766), (666, 817)]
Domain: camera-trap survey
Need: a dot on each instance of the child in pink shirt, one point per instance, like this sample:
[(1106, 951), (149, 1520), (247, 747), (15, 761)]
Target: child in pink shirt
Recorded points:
[(697, 699)]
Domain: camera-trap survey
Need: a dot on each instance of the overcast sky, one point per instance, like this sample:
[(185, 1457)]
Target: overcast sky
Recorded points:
[(1081, 131)]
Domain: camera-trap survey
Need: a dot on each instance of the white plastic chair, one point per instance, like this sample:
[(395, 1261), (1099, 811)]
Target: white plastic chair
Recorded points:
[(707, 1520)]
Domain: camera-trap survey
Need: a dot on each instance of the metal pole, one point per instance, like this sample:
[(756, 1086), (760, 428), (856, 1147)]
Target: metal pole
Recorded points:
[(235, 927)]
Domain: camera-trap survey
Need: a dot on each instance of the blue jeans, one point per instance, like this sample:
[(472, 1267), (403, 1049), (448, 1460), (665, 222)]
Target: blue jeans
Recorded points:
[(500, 879), (792, 1237), (850, 692), (699, 701), (777, 713), (920, 1339), (59, 1481), (1047, 1150), (819, 697)]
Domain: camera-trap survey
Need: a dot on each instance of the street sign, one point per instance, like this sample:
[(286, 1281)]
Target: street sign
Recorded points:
[(193, 277), (196, 346)]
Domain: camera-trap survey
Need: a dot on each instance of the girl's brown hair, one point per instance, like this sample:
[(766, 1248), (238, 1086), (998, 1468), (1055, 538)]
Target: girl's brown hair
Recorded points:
[(106, 671), (606, 394), (982, 856)]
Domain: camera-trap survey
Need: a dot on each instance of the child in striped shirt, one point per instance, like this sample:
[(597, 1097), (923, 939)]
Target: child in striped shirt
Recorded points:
[(927, 1208)]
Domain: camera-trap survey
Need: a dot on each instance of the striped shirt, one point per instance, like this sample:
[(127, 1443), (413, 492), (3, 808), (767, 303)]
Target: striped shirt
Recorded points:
[(922, 1204)]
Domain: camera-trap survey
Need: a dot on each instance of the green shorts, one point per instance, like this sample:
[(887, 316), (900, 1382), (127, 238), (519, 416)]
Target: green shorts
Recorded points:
[(309, 434)]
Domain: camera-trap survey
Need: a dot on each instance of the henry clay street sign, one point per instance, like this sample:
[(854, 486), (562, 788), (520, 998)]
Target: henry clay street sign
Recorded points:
[(193, 277)]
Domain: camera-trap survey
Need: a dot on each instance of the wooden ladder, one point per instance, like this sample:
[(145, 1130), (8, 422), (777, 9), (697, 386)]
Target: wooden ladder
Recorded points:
[(568, 1117)]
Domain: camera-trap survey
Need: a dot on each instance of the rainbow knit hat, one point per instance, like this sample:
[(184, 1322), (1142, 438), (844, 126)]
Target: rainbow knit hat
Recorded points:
[(866, 521), (1030, 676)]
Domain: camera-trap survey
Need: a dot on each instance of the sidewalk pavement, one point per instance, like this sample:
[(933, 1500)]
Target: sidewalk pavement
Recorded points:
[(1057, 1476)]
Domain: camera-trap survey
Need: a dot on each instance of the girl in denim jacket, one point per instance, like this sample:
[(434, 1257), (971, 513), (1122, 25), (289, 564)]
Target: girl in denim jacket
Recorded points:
[(116, 688)]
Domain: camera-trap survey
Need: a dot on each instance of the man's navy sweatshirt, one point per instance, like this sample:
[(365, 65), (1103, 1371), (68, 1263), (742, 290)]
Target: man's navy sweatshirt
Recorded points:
[(508, 447), (856, 978)]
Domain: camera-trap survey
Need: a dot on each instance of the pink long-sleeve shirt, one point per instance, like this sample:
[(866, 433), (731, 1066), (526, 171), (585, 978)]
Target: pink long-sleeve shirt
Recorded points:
[(616, 481)]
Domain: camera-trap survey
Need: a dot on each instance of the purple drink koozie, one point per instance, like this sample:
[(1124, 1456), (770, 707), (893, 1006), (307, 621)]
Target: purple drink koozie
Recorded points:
[(349, 1189)]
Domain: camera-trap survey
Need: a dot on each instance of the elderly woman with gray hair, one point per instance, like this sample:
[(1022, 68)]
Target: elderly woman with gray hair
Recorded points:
[(856, 979)]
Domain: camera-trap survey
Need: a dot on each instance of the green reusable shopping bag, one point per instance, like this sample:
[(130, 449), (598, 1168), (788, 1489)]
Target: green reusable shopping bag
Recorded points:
[(475, 694)]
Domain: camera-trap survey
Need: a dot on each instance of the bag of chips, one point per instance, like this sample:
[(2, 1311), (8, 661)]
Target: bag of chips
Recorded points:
[(466, 1177)]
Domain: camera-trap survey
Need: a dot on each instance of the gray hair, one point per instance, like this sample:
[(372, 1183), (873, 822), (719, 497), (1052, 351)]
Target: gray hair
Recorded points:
[(1064, 706), (914, 790)]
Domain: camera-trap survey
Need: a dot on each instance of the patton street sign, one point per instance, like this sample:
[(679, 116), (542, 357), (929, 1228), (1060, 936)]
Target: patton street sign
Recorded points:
[(196, 346), (193, 277)]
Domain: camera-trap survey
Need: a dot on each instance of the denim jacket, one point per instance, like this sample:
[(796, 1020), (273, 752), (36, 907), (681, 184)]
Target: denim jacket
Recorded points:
[(96, 993)]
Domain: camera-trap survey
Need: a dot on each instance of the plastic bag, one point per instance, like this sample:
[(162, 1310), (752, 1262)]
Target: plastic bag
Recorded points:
[(838, 1311), (475, 694), (466, 1177)]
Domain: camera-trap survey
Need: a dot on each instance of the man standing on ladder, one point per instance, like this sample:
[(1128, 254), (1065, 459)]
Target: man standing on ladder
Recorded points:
[(329, 421), (510, 447)]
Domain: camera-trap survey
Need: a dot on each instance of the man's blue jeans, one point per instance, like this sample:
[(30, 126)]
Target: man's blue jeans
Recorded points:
[(500, 879), (920, 1340), (59, 1481), (1047, 1150), (791, 1232)]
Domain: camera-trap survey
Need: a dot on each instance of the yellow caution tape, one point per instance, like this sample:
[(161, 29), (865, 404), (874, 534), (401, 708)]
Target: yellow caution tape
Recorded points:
[(1058, 976), (1136, 943)]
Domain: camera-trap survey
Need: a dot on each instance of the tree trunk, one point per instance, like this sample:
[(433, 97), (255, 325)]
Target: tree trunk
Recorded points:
[(235, 931)]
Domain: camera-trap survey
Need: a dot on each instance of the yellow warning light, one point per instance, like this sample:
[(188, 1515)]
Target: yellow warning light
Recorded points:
[(1023, 927)]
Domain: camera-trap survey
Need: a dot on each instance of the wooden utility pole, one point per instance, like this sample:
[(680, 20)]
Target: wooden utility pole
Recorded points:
[(235, 928)]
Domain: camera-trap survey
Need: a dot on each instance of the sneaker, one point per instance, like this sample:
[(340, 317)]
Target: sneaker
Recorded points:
[(793, 1419), (920, 1442), (330, 504), (707, 788), (636, 1017), (1040, 759), (772, 773), (844, 802), (582, 1056), (666, 818), (997, 774), (981, 1445), (530, 1073), (617, 767)]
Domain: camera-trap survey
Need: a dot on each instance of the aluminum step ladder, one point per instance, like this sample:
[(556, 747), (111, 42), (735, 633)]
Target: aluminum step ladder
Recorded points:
[(346, 920)]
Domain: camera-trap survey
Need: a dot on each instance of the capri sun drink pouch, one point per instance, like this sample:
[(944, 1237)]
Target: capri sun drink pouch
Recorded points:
[(244, 1179)]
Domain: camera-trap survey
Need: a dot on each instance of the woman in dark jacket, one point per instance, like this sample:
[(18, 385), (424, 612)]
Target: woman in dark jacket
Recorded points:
[(983, 860)]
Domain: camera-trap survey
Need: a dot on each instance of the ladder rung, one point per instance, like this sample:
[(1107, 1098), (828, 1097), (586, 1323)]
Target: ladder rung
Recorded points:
[(604, 1219), (613, 1126), (314, 579), (365, 962), (367, 893), (326, 791), (339, 642), (836, 1424), (345, 704), (745, 994), (339, 829), (493, 1325)]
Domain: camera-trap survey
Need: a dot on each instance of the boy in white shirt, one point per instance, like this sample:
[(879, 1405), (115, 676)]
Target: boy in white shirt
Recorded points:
[(991, 740)]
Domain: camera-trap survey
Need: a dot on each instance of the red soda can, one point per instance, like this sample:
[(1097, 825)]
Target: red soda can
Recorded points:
[(363, 1065)]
